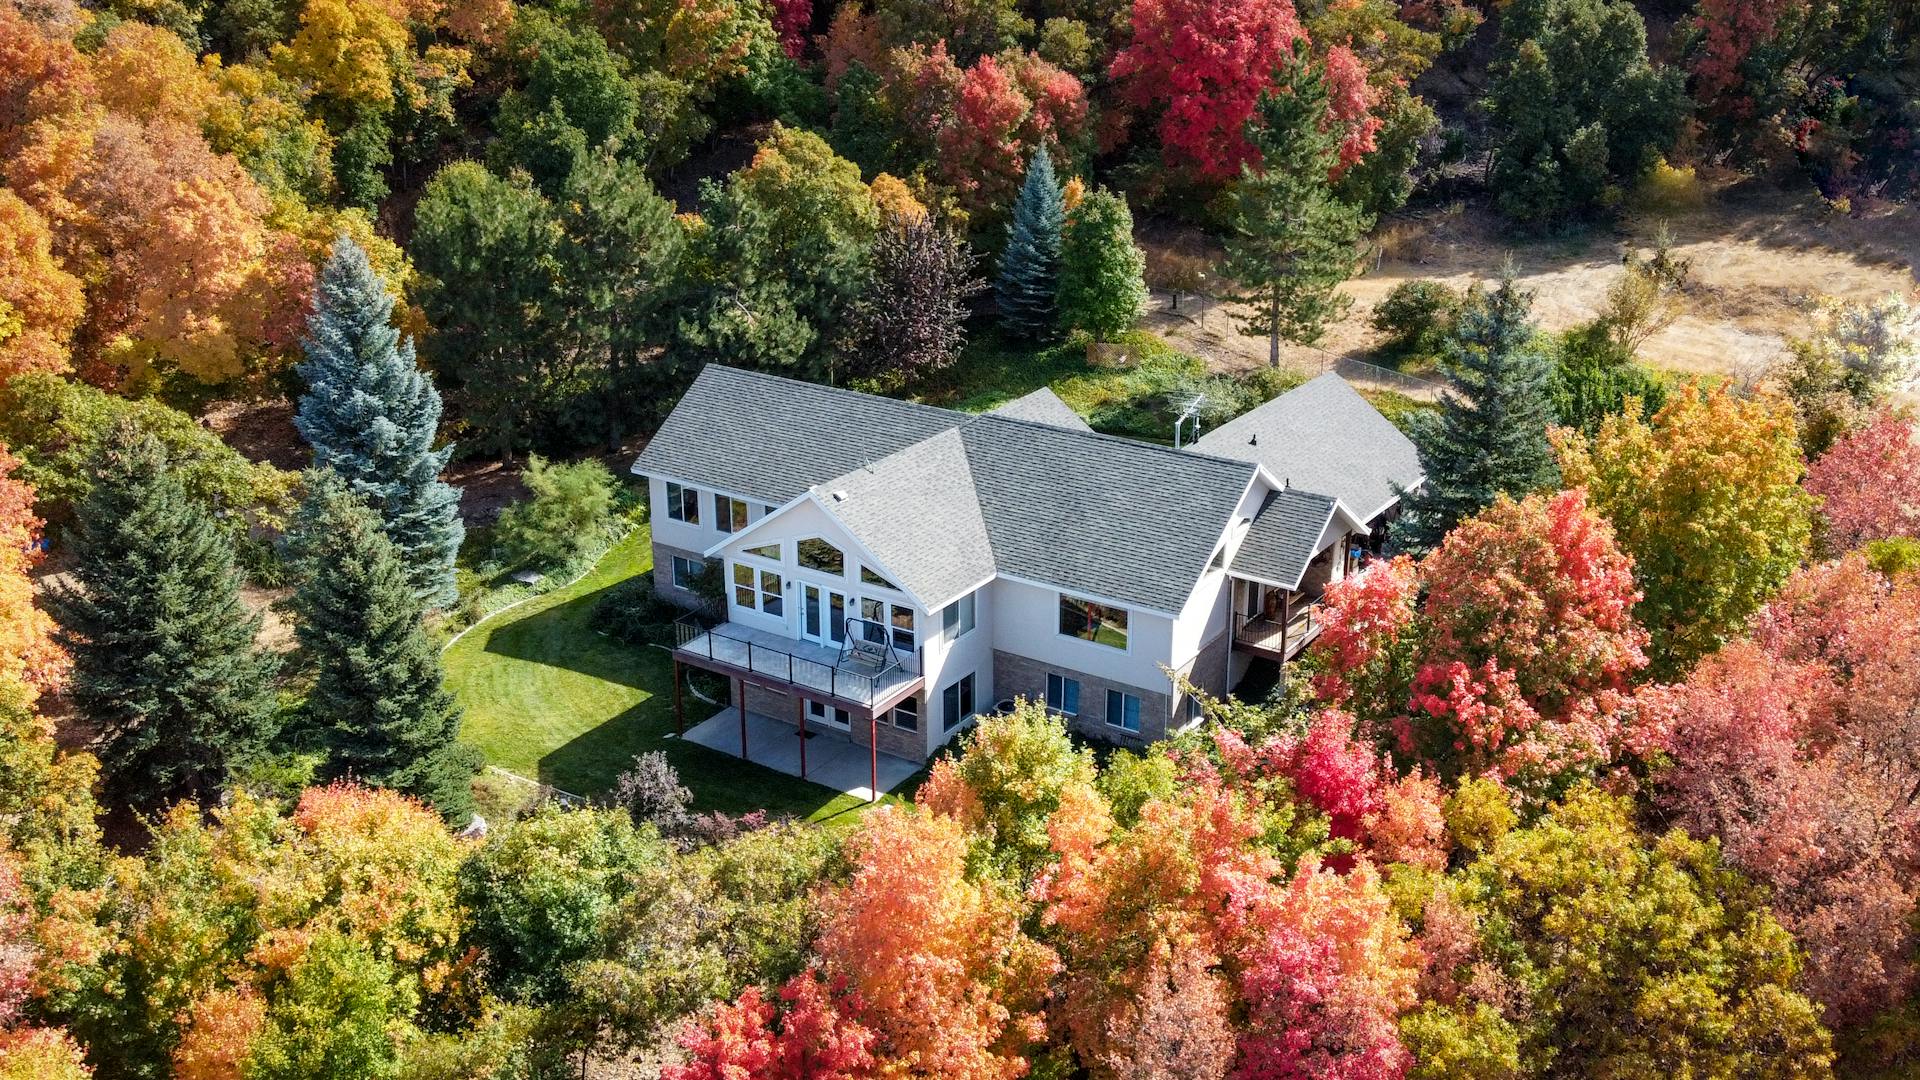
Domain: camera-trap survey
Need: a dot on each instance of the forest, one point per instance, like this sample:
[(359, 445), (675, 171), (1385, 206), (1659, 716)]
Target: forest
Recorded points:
[(327, 328)]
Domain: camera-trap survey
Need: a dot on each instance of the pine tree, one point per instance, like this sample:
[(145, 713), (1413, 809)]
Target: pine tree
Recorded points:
[(164, 662), (377, 704), (1293, 241), (371, 416), (1103, 287), (1490, 436), (1029, 283)]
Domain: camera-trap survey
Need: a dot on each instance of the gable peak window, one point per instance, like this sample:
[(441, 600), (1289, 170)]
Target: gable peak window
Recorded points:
[(816, 554), (769, 552), (868, 577)]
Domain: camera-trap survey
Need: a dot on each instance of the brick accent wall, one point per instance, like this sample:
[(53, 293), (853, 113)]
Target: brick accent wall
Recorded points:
[(1018, 676), (1208, 671), (911, 745), (663, 576)]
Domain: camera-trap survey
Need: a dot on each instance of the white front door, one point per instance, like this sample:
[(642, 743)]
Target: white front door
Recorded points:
[(823, 614), (823, 715)]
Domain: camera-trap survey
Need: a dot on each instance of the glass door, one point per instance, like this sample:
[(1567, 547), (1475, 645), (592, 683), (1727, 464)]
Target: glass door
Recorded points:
[(823, 614)]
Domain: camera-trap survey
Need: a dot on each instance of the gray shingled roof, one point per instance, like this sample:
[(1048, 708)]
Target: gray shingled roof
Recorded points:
[(1126, 520), (944, 499), (1324, 437), (770, 438), (1284, 537), (1043, 406), (917, 511)]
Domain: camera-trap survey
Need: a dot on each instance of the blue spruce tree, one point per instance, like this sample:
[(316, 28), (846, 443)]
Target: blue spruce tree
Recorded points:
[(371, 415), (1029, 283)]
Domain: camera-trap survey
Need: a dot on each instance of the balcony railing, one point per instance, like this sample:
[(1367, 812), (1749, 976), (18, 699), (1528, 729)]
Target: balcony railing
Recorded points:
[(811, 667), (1282, 638)]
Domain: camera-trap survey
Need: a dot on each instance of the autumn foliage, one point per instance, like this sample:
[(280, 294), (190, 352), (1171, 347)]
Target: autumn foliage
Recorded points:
[(1869, 483), (28, 653)]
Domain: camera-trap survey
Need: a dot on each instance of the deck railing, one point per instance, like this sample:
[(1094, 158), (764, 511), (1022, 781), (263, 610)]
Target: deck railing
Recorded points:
[(1264, 633), (741, 652)]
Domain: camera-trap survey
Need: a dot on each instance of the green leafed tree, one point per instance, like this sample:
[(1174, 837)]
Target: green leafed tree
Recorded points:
[(377, 705), (1292, 240), (164, 662), (1577, 108), (576, 99), (485, 249), (1103, 288), (371, 416), (1490, 436), (1028, 286)]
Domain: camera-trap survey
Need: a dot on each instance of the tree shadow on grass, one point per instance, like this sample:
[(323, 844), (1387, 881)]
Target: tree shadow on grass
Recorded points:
[(563, 636)]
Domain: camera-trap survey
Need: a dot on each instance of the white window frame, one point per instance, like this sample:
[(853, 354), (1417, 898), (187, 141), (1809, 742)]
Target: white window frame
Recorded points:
[(912, 707), (693, 569), (1126, 613), (959, 618), (730, 515), (1124, 697), (679, 497), (968, 709), (1062, 680), (759, 590)]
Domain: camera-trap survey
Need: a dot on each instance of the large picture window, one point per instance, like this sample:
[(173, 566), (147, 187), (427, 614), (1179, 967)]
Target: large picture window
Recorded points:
[(1095, 622), (729, 515), (683, 503), (886, 621), (817, 554), (758, 590)]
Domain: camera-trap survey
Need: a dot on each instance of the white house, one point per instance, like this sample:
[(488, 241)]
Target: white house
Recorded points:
[(892, 570)]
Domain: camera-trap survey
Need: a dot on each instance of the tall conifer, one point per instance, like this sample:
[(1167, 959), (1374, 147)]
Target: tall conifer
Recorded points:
[(164, 663), (371, 416), (1490, 436), (377, 704), (1029, 283)]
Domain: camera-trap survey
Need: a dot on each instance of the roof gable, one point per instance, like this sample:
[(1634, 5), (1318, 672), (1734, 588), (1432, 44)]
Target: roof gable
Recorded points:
[(1043, 406), (1284, 537), (1322, 436), (917, 511)]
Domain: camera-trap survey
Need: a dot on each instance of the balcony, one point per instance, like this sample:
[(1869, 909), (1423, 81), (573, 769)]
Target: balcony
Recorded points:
[(848, 679), (1281, 636)]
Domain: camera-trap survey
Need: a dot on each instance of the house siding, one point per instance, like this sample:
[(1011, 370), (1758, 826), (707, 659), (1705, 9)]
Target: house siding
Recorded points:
[(1018, 676)]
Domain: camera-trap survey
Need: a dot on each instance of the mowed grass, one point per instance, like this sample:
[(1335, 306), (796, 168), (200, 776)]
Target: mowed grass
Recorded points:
[(547, 697)]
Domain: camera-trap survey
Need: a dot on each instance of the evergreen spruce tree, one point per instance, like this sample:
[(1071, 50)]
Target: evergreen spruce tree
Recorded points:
[(1029, 283), (164, 662), (1103, 287), (377, 705), (371, 416), (1293, 241), (1490, 435)]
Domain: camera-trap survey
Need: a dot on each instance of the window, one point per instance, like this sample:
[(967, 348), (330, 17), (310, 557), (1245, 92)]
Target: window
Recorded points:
[(1123, 711), (683, 503), (906, 715), (867, 576), (1190, 711), (878, 617), (686, 571), (729, 515), (1219, 559), (956, 703), (956, 619), (817, 554), (769, 552), (1093, 622), (1063, 694), (757, 590)]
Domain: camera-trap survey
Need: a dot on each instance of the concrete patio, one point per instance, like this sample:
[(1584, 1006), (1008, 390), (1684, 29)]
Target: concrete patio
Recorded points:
[(833, 759)]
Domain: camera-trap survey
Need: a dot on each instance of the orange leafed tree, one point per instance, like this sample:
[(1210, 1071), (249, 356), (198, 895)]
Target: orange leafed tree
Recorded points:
[(40, 303), (947, 978), (27, 650)]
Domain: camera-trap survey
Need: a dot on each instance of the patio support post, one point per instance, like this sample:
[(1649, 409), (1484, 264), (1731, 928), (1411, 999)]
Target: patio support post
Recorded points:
[(742, 693), (679, 706), (873, 748), (800, 713), (1286, 619)]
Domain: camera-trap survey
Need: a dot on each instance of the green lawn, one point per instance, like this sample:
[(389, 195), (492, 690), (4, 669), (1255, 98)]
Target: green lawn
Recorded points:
[(547, 697)]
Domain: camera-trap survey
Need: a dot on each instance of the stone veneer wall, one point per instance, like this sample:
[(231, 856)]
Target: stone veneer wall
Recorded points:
[(663, 575), (1018, 676), (773, 704)]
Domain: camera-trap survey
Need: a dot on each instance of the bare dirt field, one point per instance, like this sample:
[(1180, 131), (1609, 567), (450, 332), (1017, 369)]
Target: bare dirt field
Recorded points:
[(1758, 263)]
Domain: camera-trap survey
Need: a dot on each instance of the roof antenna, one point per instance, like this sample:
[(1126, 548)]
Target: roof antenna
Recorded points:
[(1188, 411)]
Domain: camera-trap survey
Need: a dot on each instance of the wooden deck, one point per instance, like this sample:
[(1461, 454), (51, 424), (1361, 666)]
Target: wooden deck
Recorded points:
[(1273, 640)]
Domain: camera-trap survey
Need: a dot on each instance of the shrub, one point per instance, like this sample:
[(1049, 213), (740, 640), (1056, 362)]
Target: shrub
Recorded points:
[(1416, 317), (570, 515), (1669, 189), (634, 614), (651, 791)]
